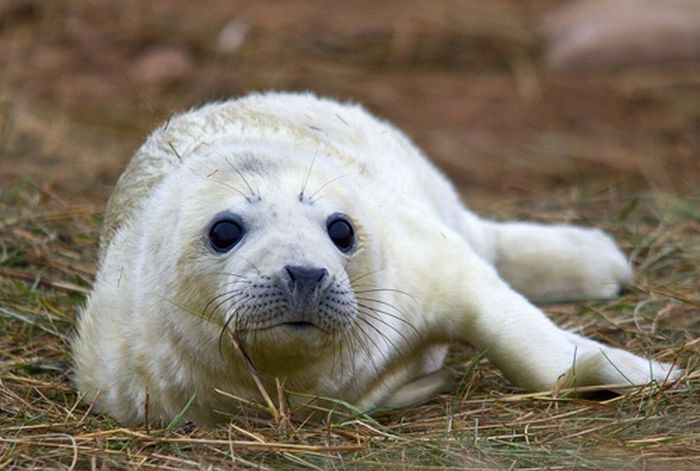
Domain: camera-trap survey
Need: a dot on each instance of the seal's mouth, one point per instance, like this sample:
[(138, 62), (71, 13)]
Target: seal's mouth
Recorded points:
[(300, 325), (292, 326)]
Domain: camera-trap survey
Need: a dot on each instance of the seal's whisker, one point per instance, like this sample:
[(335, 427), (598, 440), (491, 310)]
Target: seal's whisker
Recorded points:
[(235, 275), (370, 273), (365, 347), (337, 353), (238, 317), (236, 301), (388, 341), (383, 303), (222, 332), (340, 273), (401, 317), (238, 328), (218, 297), (347, 340), (368, 311), (379, 290), (323, 338), (251, 264)]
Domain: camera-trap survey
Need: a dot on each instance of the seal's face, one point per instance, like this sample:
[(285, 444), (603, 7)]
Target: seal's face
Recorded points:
[(298, 288), (269, 261)]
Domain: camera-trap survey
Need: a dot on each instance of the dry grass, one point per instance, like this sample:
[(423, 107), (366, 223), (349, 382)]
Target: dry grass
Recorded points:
[(47, 261)]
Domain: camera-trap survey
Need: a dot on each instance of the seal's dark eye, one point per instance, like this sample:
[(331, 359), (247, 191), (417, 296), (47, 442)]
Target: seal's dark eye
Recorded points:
[(224, 234), (341, 232)]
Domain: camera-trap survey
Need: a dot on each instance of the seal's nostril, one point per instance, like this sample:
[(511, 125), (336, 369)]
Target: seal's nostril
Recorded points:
[(305, 277)]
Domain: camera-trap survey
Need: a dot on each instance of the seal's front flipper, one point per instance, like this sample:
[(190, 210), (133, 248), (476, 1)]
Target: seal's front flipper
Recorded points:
[(598, 364), (466, 300), (420, 390), (530, 349)]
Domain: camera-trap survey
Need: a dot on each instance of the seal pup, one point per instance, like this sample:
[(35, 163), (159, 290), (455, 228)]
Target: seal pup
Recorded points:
[(323, 243)]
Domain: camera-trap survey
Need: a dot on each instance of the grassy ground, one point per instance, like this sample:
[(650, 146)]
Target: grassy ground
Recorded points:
[(614, 149), (48, 260)]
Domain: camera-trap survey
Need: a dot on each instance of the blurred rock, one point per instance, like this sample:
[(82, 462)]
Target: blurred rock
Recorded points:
[(232, 36), (608, 33), (162, 64)]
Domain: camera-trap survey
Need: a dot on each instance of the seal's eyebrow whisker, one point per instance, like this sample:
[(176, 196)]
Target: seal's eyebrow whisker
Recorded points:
[(308, 175), (230, 187), (311, 197), (253, 194), (320, 197)]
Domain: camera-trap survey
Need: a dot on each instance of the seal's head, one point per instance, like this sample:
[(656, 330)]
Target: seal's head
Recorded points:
[(266, 247)]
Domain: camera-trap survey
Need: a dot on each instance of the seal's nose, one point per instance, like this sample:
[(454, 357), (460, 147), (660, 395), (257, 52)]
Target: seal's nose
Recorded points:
[(305, 279)]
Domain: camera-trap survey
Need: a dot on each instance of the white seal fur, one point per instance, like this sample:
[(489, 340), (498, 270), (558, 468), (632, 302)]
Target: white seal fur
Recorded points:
[(371, 327)]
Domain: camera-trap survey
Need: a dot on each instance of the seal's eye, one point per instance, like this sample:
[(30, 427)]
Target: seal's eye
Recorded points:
[(341, 232), (224, 234)]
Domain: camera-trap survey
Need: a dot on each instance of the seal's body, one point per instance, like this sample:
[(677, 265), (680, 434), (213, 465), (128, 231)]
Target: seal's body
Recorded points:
[(317, 242)]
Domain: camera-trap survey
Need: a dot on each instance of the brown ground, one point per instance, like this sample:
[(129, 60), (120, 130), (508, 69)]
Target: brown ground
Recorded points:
[(83, 82)]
